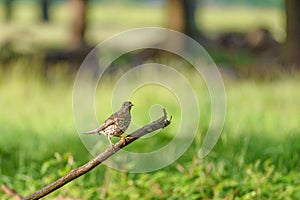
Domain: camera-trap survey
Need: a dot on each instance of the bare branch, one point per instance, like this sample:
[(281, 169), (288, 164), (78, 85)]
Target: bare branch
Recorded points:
[(75, 173), (10, 192)]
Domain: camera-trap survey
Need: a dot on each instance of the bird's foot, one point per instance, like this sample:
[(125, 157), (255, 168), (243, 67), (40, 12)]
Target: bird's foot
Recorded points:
[(111, 144), (113, 147), (123, 140)]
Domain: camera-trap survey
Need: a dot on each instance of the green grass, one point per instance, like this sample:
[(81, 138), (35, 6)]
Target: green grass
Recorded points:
[(257, 156)]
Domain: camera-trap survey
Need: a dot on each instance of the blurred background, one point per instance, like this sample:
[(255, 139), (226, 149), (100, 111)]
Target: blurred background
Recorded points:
[(264, 30), (255, 45)]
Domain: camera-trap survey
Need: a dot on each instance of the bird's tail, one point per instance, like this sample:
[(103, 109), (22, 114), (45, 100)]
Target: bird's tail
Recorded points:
[(92, 131)]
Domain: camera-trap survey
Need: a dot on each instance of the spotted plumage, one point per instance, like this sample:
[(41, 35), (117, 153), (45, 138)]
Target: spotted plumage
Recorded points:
[(116, 124)]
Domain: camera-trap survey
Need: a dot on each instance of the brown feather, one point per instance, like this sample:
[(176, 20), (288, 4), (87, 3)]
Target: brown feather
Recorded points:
[(116, 124), (104, 125)]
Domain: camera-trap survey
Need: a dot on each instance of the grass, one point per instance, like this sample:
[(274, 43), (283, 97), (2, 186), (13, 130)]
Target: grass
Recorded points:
[(256, 157)]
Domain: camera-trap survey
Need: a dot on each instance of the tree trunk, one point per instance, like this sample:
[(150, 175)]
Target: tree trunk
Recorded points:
[(181, 17), (78, 8), (292, 45), (8, 7), (45, 10)]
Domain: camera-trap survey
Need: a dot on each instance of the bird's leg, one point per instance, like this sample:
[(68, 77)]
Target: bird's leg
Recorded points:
[(122, 139), (110, 142)]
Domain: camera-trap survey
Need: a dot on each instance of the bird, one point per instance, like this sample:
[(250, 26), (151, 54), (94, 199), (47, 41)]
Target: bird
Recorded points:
[(116, 124)]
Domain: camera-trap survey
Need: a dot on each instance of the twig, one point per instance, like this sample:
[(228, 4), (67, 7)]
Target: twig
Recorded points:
[(10, 192), (75, 173)]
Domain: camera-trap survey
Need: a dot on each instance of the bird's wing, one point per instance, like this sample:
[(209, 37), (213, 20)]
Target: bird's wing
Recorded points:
[(105, 124)]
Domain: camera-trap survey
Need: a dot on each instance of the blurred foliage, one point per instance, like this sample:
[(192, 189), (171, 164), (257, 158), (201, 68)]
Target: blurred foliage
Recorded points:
[(27, 37)]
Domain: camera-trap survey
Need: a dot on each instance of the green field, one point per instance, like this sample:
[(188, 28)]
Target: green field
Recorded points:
[(256, 157)]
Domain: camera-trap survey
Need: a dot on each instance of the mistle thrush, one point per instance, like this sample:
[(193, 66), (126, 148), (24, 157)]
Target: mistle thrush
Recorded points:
[(116, 124)]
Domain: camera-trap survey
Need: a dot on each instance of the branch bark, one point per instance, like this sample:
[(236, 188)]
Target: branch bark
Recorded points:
[(10, 192), (75, 173)]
